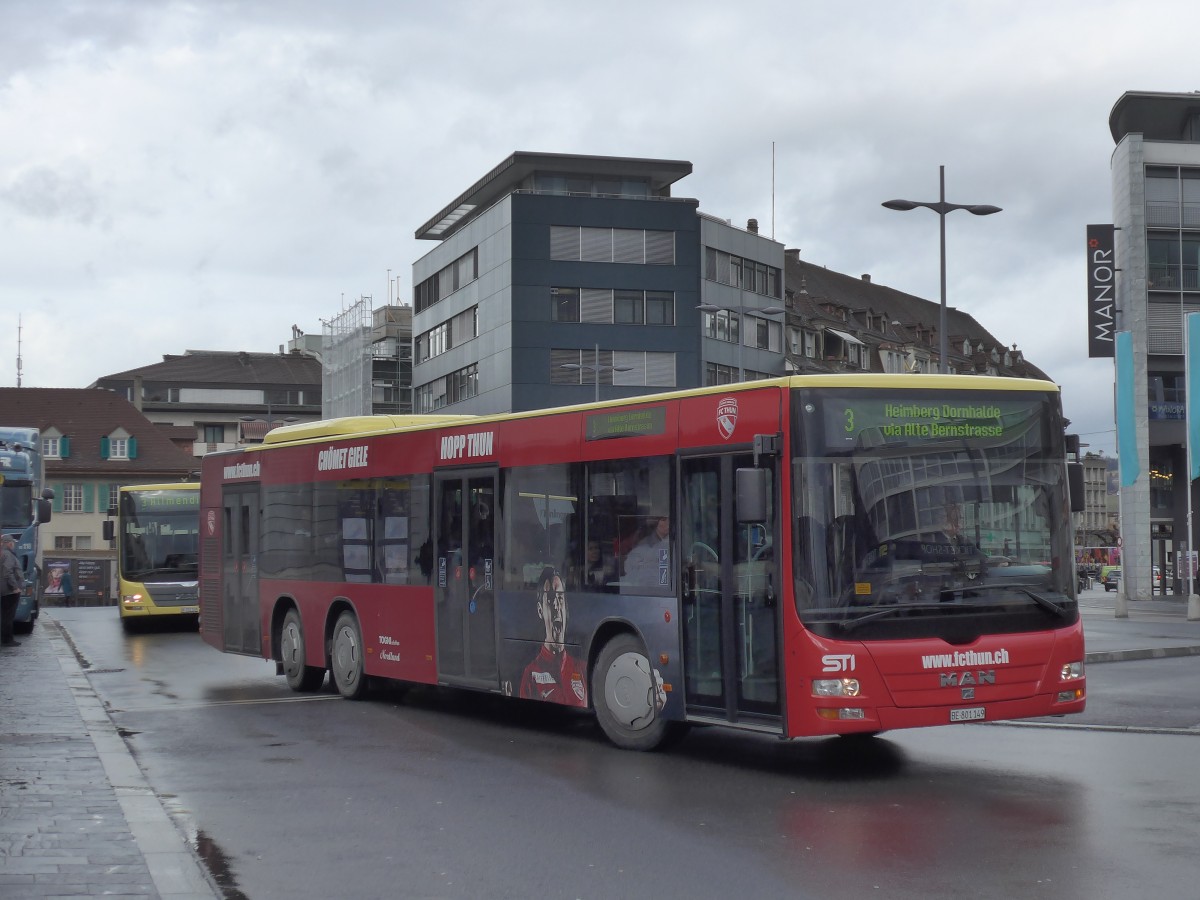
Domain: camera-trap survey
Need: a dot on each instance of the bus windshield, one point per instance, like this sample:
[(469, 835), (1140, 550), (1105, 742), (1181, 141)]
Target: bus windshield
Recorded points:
[(160, 535), (16, 505), (913, 509)]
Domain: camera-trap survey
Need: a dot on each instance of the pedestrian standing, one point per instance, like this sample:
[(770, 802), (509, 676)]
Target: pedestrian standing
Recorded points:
[(11, 582)]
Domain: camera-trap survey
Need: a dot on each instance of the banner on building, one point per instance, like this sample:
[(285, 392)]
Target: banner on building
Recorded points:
[(1191, 395), (1102, 290), (1128, 459)]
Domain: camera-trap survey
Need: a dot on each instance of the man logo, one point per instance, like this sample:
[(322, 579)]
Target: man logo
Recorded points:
[(727, 413)]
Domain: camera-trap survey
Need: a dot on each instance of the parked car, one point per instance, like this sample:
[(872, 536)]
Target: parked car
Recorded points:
[(1111, 578)]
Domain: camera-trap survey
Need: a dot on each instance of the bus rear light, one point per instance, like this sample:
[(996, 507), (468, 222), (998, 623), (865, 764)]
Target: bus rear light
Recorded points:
[(841, 715), (1071, 671), (835, 687)]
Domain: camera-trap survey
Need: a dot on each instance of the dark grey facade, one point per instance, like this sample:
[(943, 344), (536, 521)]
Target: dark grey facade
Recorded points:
[(580, 278)]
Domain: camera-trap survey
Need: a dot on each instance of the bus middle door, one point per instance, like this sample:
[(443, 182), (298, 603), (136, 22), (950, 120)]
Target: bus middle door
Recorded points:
[(465, 578), (729, 584)]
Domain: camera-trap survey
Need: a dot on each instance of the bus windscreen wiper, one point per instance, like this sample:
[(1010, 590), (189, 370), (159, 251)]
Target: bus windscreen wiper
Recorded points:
[(1028, 590), (851, 624)]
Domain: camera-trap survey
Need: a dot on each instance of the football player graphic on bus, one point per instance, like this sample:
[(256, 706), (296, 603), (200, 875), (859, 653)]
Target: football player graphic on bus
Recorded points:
[(554, 675)]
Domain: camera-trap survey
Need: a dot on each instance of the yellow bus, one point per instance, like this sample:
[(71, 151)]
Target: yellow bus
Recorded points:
[(156, 527)]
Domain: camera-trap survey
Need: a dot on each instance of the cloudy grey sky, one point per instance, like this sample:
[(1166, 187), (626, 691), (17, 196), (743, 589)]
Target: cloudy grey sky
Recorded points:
[(205, 175)]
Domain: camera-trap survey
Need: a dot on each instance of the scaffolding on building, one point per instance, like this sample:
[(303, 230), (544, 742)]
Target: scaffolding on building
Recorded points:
[(346, 362)]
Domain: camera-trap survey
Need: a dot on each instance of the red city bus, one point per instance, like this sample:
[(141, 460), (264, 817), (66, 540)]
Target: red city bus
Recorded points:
[(813, 555)]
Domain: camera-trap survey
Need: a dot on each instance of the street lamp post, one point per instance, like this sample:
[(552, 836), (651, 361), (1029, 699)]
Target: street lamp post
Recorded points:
[(941, 208), (595, 368), (271, 418), (712, 309)]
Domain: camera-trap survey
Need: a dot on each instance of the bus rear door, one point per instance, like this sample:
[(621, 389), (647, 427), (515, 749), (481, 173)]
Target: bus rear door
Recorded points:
[(240, 576)]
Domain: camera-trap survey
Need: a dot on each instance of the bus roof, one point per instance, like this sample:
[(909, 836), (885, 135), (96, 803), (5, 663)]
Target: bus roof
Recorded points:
[(359, 426)]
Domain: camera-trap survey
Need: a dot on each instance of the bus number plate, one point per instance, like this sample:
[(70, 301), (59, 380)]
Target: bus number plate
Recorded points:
[(190, 609), (970, 714)]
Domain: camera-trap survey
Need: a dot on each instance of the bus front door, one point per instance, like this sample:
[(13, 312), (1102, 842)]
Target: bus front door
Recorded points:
[(465, 578), (240, 575), (729, 583)]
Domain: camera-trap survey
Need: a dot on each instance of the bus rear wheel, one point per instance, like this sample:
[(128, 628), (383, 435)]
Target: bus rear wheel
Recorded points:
[(300, 677), (346, 657), (625, 694)]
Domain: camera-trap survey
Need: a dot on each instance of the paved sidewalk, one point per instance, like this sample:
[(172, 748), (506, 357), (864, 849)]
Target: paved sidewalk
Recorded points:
[(77, 817), (1153, 629)]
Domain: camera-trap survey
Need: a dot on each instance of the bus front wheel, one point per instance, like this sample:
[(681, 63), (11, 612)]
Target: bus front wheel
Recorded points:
[(627, 697), (346, 657), (300, 677)]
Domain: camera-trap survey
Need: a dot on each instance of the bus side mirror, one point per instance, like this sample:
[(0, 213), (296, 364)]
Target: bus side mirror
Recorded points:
[(751, 486), (107, 530), (43, 511), (1075, 486)]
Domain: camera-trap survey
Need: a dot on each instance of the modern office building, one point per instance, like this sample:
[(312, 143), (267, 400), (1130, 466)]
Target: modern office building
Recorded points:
[(559, 279), (1156, 214)]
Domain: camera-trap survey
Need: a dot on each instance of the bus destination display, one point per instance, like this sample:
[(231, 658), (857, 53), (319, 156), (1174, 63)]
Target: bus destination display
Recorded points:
[(870, 422)]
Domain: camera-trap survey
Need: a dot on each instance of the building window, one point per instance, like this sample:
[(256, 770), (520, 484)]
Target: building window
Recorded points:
[(723, 325), (118, 448), (716, 373), (810, 344), (448, 334), (602, 306), (214, 434), (72, 498), (747, 274), (50, 448), (564, 304), (64, 542), (447, 280), (460, 385), (570, 243), (620, 367), (660, 308), (764, 334), (629, 307)]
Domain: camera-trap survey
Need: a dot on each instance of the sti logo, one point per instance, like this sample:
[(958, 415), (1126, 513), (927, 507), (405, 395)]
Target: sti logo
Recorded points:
[(727, 414), (837, 662)]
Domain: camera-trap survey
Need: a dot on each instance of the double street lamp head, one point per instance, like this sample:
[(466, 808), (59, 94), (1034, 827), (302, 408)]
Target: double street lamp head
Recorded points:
[(941, 208)]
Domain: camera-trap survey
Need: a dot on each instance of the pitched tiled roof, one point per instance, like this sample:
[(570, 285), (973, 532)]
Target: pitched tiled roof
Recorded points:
[(226, 367), (85, 415), (814, 285)]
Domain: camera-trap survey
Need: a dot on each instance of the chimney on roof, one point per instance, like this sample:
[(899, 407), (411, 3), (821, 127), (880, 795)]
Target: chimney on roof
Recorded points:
[(137, 392), (752, 226), (867, 277), (792, 253)]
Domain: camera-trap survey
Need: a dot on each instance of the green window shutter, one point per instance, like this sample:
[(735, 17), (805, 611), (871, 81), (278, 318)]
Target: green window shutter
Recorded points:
[(132, 447), (64, 447), (104, 448), (56, 503), (102, 491), (89, 496)]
